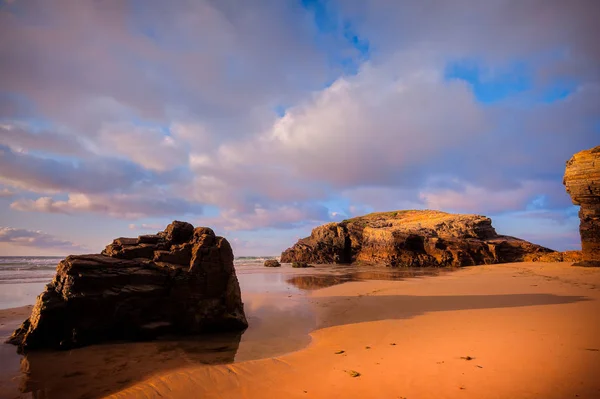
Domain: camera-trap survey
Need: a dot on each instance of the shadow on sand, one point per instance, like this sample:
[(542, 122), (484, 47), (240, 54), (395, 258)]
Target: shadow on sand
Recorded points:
[(99, 370), (342, 310)]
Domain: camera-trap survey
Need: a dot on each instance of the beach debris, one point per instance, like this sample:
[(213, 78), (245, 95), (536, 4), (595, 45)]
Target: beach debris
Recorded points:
[(340, 352), (467, 357), (393, 344), (592, 349), (352, 373), (272, 263), (367, 347), (478, 366)]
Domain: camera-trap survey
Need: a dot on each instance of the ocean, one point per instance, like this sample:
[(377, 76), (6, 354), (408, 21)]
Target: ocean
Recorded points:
[(22, 278)]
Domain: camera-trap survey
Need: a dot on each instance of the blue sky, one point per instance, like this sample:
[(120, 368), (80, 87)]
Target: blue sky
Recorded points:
[(268, 118)]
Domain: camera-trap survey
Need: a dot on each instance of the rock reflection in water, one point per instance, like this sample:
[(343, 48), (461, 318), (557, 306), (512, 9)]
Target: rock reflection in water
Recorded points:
[(96, 371), (319, 281), (316, 281)]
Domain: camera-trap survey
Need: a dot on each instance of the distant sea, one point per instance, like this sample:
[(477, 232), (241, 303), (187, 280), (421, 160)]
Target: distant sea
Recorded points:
[(22, 278)]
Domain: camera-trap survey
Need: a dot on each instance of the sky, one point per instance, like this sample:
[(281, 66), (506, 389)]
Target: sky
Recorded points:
[(266, 118)]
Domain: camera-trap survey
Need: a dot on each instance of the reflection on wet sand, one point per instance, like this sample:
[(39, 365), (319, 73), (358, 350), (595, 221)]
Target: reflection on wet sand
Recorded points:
[(316, 281)]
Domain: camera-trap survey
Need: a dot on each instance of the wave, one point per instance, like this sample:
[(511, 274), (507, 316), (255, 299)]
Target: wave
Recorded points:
[(21, 267), (252, 260), (30, 259)]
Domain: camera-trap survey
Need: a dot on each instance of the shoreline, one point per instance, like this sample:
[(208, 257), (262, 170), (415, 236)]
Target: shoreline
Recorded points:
[(522, 330), (530, 329)]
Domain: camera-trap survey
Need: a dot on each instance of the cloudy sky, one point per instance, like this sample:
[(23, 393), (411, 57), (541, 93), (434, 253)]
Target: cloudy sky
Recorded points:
[(266, 118)]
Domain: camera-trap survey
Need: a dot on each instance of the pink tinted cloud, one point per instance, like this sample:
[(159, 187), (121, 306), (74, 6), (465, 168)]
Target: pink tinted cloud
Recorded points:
[(38, 239)]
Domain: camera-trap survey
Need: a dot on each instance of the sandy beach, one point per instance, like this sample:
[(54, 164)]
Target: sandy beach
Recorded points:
[(521, 330)]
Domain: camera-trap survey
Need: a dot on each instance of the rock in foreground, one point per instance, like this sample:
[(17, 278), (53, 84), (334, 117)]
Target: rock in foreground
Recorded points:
[(411, 238), (180, 281), (582, 180)]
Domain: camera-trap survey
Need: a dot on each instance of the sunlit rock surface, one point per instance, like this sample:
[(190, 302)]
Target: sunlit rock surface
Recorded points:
[(411, 238), (582, 180)]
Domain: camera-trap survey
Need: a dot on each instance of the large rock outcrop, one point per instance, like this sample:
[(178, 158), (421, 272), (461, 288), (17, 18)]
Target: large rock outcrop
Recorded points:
[(181, 280), (582, 180), (411, 238)]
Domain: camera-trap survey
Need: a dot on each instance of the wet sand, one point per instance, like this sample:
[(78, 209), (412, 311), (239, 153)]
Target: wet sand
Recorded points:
[(523, 330), (279, 307)]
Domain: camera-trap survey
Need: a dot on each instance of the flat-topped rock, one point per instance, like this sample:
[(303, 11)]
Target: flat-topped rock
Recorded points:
[(582, 181), (411, 238), (179, 281)]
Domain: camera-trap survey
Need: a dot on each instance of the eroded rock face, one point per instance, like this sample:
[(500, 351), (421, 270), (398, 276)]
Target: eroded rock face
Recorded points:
[(181, 280), (566, 256), (582, 180), (411, 238)]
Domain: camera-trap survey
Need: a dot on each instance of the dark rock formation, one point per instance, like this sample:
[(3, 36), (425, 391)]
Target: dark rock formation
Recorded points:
[(180, 280), (272, 263), (582, 180), (411, 238)]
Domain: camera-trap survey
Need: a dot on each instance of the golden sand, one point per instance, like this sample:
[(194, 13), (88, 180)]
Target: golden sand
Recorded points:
[(521, 330)]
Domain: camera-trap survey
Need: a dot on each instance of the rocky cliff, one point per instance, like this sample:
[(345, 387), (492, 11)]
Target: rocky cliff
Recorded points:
[(180, 280), (582, 180), (411, 238)]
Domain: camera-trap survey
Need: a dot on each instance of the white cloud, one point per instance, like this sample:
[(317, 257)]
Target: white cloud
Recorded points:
[(38, 239), (146, 226), (128, 206), (372, 129), (6, 193), (20, 138), (149, 147), (44, 174), (284, 217), (475, 199)]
